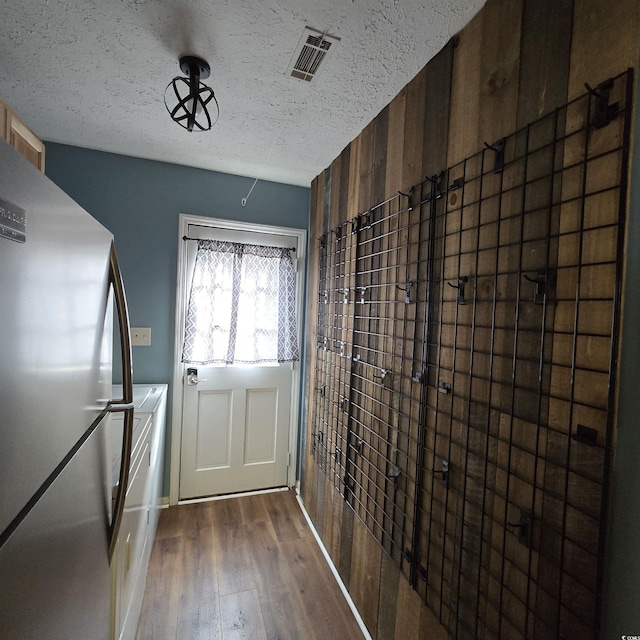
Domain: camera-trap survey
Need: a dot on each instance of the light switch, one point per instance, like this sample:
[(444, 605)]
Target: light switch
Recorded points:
[(141, 336)]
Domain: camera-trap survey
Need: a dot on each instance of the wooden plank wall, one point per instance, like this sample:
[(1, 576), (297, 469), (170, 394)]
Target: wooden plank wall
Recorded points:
[(516, 61)]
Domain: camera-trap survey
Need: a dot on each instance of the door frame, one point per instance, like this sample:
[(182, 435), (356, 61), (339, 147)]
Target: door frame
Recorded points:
[(185, 221)]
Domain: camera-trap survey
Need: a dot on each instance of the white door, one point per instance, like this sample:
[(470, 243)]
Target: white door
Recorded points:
[(235, 429), (236, 419)]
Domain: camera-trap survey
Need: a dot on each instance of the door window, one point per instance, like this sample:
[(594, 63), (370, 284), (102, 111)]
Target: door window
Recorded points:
[(241, 305)]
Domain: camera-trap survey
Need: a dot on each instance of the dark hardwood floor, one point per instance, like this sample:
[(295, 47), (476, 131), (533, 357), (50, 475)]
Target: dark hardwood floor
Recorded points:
[(245, 567)]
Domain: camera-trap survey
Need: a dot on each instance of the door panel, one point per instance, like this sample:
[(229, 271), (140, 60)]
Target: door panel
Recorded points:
[(235, 434), (261, 426), (214, 430)]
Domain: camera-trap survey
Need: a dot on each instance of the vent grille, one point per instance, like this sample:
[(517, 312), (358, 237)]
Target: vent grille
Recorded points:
[(313, 49)]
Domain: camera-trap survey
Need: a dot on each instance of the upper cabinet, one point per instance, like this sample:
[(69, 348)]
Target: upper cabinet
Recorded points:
[(20, 137)]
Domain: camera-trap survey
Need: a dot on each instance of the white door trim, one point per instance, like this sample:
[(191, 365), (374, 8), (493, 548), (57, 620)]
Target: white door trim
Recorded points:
[(185, 221)]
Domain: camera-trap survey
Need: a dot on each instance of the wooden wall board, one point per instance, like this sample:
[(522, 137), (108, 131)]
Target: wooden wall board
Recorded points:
[(379, 156), (414, 131), (330, 495), (395, 144), (465, 91), (390, 579), (544, 58), (437, 107), (407, 619), (345, 176), (605, 41), (364, 585), (365, 168), (500, 66), (346, 547), (353, 202), (334, 195)]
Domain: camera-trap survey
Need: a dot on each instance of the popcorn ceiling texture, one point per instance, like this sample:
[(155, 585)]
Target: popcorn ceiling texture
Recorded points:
[(92, 73)]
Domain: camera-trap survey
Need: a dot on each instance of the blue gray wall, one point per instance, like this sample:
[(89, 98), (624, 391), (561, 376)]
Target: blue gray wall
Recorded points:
[(139, 202), (622, 604)]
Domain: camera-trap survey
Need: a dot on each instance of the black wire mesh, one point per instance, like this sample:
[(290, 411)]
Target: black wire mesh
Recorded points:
[(466, 372)]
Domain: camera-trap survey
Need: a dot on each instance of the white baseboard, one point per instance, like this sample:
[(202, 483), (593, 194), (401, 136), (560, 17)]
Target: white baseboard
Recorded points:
[(336, 575)]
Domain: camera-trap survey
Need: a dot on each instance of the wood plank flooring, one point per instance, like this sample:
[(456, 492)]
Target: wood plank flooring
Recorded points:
[(246, 567)]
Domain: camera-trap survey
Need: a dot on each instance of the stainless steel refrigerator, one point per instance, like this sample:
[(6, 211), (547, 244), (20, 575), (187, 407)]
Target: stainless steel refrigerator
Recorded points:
[(59, 513)]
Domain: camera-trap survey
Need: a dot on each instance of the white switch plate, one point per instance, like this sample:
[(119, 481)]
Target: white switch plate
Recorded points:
[(141, 336)]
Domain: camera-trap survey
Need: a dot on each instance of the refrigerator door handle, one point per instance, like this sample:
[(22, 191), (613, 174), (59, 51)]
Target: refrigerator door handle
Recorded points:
[(123, 481), (115, 280)]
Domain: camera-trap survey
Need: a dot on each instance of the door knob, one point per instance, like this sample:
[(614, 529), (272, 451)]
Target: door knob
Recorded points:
[(192, 377)]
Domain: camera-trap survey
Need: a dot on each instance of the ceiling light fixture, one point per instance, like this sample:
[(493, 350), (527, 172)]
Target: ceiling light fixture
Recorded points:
[(187, 98)]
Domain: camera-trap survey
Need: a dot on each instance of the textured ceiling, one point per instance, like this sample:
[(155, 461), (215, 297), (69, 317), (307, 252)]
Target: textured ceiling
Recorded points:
[(92, 73)]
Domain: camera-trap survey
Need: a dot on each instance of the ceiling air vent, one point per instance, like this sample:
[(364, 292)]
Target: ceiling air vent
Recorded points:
[(313, 49)]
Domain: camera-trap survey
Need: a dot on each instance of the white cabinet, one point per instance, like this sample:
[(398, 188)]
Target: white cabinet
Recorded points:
[(141, 511)]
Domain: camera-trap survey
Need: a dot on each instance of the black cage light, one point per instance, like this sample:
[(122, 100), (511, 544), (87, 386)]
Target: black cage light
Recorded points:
[(188, 100)]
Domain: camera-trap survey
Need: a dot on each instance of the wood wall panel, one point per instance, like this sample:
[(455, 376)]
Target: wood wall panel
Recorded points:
[(414, 131), (516, 61), (387, 607), (544, 58), (366, 562), (438, 106), (465, 91), (395, 144), (604, 41), (499, 70)]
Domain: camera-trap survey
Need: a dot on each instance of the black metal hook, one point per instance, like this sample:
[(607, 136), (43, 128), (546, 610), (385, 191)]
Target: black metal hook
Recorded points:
[(540, 280), (382, 377), (460, 287), (395, 473), (498, 147), (437, 186), (361, 222), (523, 526), (407, 289), (409, 196), (458, 183), (444, 472), (603, 112), (585, 435), (592, 91)]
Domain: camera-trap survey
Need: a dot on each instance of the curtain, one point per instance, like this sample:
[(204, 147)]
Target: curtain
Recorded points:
[(241, 305)]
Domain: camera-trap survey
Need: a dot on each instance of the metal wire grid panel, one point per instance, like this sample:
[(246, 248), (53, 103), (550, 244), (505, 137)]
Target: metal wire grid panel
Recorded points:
[(466, 409)]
